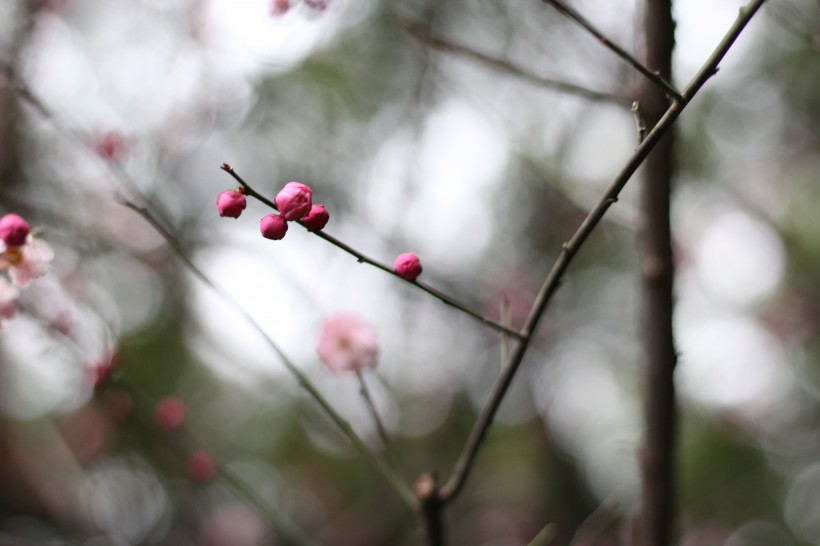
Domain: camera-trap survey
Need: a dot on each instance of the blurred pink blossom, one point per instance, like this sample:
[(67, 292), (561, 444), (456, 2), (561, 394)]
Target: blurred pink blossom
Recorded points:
[(317, 218), (294, 201), (347, 343), (408, 266), (26, 263)]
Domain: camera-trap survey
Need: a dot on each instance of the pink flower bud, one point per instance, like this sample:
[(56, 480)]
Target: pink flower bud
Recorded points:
[(408, 266), (317, 218), (200, 467), (13, 230), (170, 413), (231, 203), (347, 343), (294, 201), (273, 226)]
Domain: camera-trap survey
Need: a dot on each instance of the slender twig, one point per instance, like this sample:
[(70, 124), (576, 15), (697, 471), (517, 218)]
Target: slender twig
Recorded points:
[(640, 123), (387, 473), (443, 44), (618, 50), (505, 320), (362, 258), (374, 412), (464, 464)]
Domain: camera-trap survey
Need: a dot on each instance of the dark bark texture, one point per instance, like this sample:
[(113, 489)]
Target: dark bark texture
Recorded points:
[(654, 525)]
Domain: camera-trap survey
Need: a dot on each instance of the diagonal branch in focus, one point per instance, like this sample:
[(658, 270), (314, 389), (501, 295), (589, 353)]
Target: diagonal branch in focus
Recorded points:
[(363, 258), (584, 23), (464, 464)]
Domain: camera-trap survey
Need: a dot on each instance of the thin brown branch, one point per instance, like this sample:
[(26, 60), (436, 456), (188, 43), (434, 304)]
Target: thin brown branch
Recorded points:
[(583, 22), (374, 412), (464, 464), (363, 258), (448, 46)]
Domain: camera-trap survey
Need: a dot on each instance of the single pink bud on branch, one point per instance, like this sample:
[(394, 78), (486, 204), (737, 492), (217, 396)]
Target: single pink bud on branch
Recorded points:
[(273, 226), (13, 230), (408, 266), (294, 201), (231, 203), (317, 218), (347, 344)]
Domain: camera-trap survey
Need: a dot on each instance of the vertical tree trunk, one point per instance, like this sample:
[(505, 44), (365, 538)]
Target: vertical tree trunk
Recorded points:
[(654, 525)]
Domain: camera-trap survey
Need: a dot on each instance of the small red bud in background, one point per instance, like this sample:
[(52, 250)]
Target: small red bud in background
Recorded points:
[(170, 413), (200, 467)]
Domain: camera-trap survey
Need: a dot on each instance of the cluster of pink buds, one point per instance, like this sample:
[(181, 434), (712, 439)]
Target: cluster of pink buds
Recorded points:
[(23, 258), (294, 202)]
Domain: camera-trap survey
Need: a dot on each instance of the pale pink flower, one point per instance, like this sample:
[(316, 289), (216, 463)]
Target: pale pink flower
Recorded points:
[(200, 467), (273, 226), (28, 262), (13, 230), (408, 266), (294, 201), (8, 299), (317, 218), (347, 343), (231, 203), (170, 413)]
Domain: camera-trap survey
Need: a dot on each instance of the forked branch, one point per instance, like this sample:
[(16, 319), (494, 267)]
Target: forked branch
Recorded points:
[(465, 461)]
